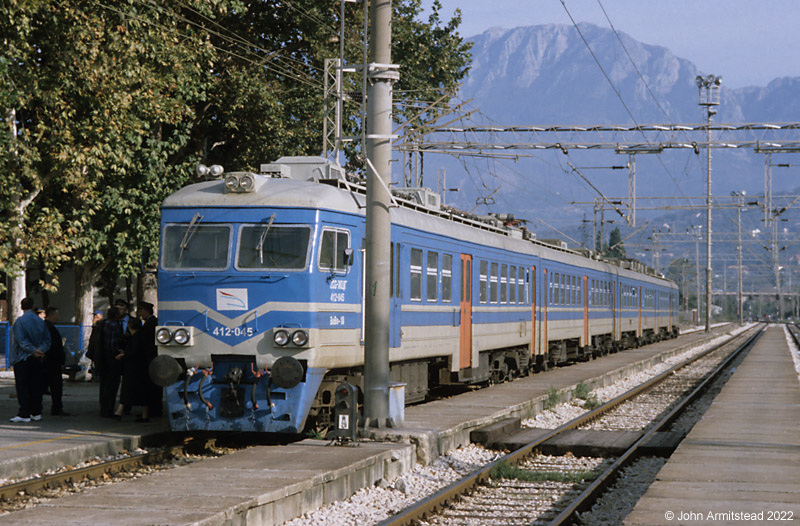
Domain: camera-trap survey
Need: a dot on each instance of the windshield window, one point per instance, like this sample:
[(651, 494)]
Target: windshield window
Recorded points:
[(196, 246), (267, 246)]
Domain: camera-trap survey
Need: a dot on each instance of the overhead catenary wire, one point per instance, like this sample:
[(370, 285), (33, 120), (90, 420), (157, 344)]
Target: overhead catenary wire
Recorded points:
[(614, 88)]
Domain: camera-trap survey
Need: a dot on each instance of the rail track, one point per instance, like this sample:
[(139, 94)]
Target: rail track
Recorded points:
[(517, 489), (94, 471)]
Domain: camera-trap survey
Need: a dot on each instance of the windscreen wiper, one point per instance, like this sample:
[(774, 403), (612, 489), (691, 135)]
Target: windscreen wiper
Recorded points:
[(189, 233), (260, 246)]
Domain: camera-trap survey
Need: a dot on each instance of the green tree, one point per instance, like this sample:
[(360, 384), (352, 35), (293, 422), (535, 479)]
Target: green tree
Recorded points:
[(267, 98), (615, 248), (107, 99), (107, 107)]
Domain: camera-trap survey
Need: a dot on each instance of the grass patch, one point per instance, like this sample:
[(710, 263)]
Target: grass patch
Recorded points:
[(581, 391), (315, 434), (592, 402), (584, 392), (553, 398), (504, 470)]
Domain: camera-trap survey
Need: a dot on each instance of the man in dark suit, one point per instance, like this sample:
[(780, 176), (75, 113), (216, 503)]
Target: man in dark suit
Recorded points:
[(53, 362), (150, 350)]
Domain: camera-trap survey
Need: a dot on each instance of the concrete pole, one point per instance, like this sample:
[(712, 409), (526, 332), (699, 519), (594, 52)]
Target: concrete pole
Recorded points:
[(708, 222), (594, 229), (740, 308), (379, 154), (697, 269)]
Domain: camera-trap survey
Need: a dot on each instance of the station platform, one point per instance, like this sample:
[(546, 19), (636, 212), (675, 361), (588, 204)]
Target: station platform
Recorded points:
[(30, 448), (741, 462), (270, 484)]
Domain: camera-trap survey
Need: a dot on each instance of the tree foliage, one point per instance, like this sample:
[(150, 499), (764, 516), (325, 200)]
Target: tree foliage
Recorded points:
[(115, 102), (615, 248)]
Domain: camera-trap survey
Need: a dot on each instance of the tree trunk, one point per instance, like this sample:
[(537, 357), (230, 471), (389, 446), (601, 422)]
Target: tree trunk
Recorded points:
[(147, 288), (84, 299), (16, 292), (17, 289)]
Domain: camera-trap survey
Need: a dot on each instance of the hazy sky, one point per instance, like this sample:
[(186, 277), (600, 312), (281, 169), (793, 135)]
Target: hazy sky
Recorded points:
[(748, 42)]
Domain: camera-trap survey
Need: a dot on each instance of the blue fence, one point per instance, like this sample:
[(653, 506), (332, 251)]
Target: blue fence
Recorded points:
[(73, 346), (5, 343)]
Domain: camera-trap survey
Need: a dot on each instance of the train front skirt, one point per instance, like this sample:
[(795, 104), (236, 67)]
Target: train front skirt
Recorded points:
[(216, 400)]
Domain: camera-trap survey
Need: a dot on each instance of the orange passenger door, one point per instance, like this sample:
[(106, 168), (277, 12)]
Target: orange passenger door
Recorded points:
[(465, 345)]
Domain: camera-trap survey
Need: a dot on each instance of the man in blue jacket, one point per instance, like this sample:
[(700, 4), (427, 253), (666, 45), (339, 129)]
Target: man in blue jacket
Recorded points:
[(31, 340)]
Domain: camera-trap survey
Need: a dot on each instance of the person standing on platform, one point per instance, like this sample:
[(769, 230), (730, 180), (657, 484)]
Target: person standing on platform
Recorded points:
[(122, 307), (95, 347), (31, 341), (150, 350), (135, 381), (109, 362), (53, 363)]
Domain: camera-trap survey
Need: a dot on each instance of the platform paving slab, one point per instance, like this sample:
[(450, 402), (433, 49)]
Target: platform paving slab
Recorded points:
[(743, 456), (56, 441), (240, 488)]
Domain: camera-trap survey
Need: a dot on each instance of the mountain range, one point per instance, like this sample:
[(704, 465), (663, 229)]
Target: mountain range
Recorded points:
[(546, 75)]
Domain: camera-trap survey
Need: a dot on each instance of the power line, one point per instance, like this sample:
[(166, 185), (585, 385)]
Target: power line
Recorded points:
[(614, 88)]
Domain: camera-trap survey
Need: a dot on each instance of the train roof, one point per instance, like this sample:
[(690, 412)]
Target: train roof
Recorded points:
[(315, 183)]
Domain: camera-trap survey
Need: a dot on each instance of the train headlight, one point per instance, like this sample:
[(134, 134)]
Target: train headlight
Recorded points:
[(280, 337), (300, 338), (246, 183), (231, 182), (181, 336), (163, 336)]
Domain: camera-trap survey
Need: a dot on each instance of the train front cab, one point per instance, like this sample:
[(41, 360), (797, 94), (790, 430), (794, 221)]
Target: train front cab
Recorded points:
[(252, 361)]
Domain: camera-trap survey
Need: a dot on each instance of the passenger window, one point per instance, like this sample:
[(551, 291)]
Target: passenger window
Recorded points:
[(493, 284), (512, 284), (433, 276), (574, 297), (416, 274), (447, 278), (484, 285), (521, 283), (504, 284)]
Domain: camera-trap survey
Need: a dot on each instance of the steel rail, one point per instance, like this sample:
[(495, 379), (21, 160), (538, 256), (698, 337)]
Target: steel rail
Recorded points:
[(585, 500), (435, 502), (54, 480), (794, 334)]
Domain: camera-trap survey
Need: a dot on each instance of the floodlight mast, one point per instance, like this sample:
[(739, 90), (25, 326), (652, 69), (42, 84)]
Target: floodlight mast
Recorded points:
[(709, 88)]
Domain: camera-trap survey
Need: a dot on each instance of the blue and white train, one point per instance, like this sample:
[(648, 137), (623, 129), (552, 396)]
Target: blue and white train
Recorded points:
[(261, 298)]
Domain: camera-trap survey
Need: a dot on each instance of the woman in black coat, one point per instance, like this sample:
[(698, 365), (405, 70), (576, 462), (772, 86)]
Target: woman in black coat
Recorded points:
[(135, 381)]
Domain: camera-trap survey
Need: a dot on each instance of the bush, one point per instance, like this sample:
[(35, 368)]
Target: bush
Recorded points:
[(581, 391), (553, 398)]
